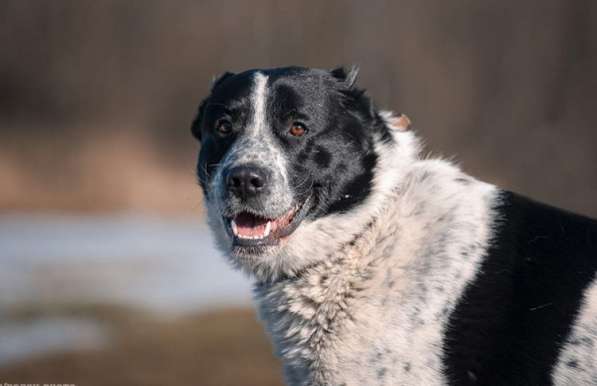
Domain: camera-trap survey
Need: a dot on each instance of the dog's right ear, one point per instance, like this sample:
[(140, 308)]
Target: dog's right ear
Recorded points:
[(346, 75), (196, 125)]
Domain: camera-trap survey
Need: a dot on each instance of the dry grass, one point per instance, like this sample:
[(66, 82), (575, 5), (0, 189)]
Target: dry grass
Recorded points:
[(119, 171), (219, 349)]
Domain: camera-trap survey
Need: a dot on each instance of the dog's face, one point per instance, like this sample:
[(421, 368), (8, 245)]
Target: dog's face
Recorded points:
[(282, 148)]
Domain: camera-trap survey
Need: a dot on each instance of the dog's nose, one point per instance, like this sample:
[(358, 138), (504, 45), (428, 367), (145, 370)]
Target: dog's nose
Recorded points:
[(246, 181)]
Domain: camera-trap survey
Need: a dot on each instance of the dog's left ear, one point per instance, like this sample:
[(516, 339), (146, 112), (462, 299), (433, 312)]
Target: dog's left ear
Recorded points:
[(349, 77), (217, 80)]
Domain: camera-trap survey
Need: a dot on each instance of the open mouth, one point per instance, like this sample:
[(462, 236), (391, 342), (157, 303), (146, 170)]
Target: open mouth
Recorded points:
[(250, 229)]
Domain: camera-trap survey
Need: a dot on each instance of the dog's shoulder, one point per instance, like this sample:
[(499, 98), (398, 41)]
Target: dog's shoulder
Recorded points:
[(527, 297)]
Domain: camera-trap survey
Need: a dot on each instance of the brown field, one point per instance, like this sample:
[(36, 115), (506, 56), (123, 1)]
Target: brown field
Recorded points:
[(215, 349)]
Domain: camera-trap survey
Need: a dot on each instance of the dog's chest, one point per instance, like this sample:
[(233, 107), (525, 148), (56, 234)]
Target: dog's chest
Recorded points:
[(344, 334)]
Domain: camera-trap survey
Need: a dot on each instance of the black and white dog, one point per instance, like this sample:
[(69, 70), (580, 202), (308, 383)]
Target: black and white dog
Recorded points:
[(375, 266)]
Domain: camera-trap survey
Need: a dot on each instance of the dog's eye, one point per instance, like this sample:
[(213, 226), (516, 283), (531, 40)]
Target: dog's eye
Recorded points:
[(297, 129), (224, 127)]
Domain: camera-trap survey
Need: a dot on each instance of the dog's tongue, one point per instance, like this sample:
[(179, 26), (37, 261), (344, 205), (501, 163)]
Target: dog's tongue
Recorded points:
[(248, 225)]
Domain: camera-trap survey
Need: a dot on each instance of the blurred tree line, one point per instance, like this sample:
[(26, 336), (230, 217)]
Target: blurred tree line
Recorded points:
[(96, 97)]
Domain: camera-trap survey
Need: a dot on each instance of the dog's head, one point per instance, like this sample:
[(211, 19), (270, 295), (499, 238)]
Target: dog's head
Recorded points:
[(283, 152)]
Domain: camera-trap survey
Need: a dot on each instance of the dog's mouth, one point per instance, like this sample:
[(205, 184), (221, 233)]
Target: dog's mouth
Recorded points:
[(250, 229)]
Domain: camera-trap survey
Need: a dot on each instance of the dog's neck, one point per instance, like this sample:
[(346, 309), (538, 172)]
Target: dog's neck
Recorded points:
[(429, 203), (302, 309)]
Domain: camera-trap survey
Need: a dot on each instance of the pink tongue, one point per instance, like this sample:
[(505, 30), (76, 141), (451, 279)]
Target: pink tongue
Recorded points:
[(249, 225)]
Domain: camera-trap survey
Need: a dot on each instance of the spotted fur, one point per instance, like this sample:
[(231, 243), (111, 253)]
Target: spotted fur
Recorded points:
[(404, 270)]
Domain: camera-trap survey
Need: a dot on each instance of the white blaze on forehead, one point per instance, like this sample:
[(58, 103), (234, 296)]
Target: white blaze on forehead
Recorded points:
[(258, 126), (259, 99)]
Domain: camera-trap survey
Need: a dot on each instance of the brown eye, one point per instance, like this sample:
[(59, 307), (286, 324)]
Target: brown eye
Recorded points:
[(224, 127), (297, 129)]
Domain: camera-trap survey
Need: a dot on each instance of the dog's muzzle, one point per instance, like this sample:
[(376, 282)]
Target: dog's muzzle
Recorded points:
[(255, 216)]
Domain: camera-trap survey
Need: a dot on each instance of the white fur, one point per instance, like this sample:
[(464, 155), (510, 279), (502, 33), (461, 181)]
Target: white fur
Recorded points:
[(259, 122), (377, 284), (580, 349)]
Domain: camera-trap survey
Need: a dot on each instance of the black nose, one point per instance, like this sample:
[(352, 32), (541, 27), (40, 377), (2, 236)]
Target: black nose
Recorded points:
[(246, 181)]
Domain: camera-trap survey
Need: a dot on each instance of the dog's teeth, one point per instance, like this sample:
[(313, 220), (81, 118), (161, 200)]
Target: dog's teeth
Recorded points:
[(234, 228), (237, 233), (268, 228)]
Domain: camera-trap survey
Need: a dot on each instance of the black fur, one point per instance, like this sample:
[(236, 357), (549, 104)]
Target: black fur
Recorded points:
[(514, 317)]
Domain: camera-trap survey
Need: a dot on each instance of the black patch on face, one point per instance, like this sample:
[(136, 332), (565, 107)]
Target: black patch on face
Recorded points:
[(196, 125), (333, 162), (357, 188), (336, 158), (515, 316), (322, 157), (229, 99)]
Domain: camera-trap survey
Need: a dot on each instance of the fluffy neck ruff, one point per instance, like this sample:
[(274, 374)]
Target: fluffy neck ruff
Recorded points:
[(302, 311)]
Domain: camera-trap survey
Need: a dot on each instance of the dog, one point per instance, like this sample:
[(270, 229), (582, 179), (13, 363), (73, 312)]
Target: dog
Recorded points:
[(374, 265)]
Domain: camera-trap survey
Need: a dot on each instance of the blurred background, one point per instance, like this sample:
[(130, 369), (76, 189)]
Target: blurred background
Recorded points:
[(108, 275)]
